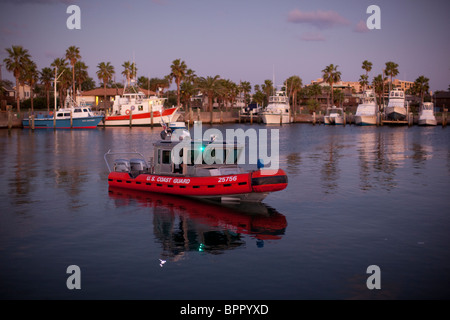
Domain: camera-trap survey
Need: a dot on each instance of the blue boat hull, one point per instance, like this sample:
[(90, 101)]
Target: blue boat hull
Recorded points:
[(77, 123)]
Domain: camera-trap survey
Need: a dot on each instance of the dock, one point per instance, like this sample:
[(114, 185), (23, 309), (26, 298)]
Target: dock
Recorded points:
[(10, 119)]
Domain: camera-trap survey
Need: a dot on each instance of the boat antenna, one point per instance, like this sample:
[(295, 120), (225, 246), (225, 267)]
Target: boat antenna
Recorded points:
[(273, 80)]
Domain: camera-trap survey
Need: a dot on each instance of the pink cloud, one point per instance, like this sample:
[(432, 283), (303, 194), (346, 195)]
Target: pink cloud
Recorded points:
[(312, 36), (320, 19), (361, 27)]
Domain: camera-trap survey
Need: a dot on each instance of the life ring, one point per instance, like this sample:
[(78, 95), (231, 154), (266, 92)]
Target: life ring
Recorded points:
[(127, 112)]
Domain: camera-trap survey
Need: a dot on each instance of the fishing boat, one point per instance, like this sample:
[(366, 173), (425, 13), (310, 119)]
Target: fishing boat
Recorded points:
[(333, 116), (277, 111), (207, 170), (426, 114), (71, 116), (396, 108), (135, 109), (366, 112)]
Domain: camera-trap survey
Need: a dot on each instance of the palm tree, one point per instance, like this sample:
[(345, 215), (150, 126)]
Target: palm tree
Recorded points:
[(31, 76), (294, 85), (245, 87), (331, 76), (378, 84), (209, 86), (421, 86), (157, 84), (258, 96), (267, 88), (391, 70), (46, 79), (315, 90), (228, 91), (127, 71), (104, 73), (73, 55), (15, 63), (364, 81), (133, 72), (65, 83), (81, 73), (188, 89), (366, 65), (178, 71)]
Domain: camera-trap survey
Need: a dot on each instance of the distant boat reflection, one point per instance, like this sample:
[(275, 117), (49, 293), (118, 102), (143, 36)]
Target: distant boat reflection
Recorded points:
[(182, 224)]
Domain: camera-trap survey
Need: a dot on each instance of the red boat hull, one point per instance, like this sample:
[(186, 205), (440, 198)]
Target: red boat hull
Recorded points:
[(244, 183)]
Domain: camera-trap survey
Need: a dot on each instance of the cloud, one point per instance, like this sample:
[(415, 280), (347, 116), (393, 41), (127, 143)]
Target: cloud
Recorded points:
[(320, 19), (361, 27), (52, 54), (312, 36), (9, 32)]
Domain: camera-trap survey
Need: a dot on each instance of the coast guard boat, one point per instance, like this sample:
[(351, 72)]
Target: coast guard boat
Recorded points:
[(201, 173)]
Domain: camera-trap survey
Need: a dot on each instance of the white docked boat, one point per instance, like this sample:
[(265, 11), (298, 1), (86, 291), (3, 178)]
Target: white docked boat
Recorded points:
[(426, 114), (139, 110), (396, 108), (333, 116), (366, 113), (277, 110)]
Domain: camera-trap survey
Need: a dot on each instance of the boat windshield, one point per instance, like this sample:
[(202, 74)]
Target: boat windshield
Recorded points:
[(397, 94), (277, 99), (427, 106), (214, 153)]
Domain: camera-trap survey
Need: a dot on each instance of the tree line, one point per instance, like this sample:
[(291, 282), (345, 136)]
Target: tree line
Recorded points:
[(73, 75)]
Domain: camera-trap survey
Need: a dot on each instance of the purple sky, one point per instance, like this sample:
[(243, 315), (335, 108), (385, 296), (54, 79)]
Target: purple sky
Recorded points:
[(237, 39)]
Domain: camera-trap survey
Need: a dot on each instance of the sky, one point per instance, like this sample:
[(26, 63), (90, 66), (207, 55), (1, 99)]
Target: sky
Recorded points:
[(240, 40)]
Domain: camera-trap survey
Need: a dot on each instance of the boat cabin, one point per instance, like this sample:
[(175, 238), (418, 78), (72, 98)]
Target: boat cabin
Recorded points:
[(200, 158), (279, 97), (427, 106), (396, 94)]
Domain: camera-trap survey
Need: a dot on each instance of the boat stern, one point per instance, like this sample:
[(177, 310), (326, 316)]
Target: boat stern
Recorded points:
[(269, 180)]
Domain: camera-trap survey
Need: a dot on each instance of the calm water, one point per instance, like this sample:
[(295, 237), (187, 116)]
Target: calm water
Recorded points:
[(356, 197)]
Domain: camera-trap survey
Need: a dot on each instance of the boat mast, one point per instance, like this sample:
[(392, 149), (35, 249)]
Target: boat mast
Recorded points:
[(56, 80)]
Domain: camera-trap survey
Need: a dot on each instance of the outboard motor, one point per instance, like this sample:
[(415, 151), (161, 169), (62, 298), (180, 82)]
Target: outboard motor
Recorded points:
[(138, 166), (121, 165)]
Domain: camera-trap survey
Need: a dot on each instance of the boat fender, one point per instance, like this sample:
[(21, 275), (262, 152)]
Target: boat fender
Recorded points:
[(260, 164)]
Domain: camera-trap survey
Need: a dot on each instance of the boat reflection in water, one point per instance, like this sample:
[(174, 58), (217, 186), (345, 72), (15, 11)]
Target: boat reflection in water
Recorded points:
[(182, 224)]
